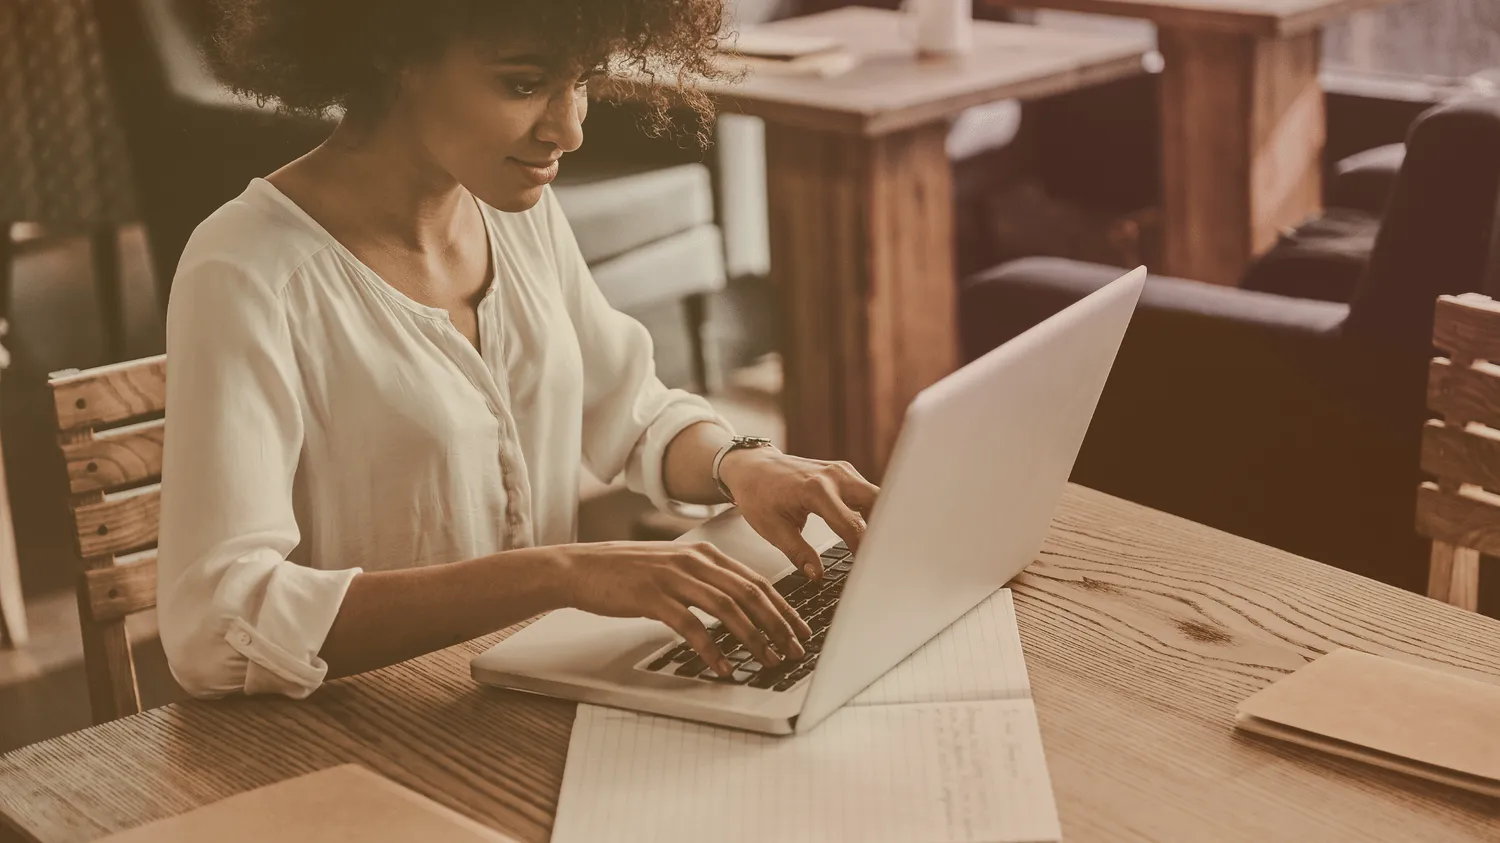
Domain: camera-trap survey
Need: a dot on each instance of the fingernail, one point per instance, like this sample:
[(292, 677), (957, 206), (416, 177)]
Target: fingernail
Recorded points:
[(723, 668), (772, 657)]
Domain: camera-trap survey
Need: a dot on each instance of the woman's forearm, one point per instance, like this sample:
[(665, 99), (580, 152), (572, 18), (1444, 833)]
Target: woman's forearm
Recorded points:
[(391, 616), (688, 465)]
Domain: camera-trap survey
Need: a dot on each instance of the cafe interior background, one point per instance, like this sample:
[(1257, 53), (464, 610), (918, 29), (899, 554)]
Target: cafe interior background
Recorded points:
[(115, 141)]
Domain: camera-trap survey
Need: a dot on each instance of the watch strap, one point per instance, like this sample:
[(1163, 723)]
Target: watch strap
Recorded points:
[(738, 443)]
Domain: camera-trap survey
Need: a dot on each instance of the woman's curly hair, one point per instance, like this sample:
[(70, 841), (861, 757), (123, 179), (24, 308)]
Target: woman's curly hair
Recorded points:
[(313, 55)]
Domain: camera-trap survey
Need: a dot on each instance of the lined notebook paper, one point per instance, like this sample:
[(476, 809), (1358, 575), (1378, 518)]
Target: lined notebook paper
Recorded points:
[(977, 658), (944, 748), (970, 772)]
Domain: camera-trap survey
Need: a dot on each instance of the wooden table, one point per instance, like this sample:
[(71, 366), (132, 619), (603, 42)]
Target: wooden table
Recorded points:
[(861, 209), (1142, 633), (1242, 121)]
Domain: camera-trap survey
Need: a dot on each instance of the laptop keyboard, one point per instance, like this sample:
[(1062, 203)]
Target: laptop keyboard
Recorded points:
[(814, 601)]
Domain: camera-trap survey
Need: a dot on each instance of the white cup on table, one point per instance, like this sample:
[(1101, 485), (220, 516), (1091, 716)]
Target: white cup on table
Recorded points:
[(941, 27)]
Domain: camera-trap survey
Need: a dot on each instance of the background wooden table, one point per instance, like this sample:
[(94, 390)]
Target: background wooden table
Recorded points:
[(861, 209), (1142, 633), (1242, 121)]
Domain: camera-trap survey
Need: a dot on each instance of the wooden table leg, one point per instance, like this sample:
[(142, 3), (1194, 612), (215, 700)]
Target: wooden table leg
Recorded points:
[(1243, 129), (862, 239), (13, 631)]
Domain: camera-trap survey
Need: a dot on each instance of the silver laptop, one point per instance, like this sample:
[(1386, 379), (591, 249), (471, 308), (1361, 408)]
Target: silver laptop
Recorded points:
[(981, 461)]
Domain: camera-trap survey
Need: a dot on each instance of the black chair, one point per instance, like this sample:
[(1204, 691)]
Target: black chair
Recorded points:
[(193, 146), (1291, 421)]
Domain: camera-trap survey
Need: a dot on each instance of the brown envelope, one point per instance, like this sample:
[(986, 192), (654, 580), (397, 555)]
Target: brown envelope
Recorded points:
[(1401, 716), (338, 805)]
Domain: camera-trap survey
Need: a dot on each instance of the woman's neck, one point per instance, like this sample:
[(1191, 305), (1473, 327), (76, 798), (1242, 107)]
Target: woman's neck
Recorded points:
[(377, 184)]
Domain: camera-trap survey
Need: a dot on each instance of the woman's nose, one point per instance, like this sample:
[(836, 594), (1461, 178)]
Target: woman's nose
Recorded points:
[(562, 124)]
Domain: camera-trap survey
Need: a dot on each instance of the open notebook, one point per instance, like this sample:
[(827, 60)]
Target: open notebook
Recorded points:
[(945, 747)]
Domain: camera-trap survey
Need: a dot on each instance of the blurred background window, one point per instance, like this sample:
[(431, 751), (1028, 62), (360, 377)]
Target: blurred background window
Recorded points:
[(1422, 38)]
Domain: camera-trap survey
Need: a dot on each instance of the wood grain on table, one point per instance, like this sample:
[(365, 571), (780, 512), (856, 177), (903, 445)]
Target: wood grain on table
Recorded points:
[(1143, 632)]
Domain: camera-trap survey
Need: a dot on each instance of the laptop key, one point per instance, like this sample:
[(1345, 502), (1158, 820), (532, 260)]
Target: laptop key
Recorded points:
[(741, 676), (695, 667), (660, 663), (789, 583), (786, 683), (766, 679)]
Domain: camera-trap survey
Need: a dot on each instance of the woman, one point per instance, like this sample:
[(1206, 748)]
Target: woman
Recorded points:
[(389, 361)]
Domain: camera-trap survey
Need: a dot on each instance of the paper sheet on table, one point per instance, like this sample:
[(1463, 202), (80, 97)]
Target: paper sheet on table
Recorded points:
[(977, 658), (944, 747), (938, 772)]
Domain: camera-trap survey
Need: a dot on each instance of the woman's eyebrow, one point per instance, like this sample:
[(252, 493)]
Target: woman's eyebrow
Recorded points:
[(519, 60)]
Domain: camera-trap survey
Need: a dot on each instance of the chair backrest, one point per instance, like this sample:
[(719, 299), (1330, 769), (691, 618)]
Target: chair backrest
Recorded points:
[(110, 425), (193, 143), (1436, 234), (1460, 511)]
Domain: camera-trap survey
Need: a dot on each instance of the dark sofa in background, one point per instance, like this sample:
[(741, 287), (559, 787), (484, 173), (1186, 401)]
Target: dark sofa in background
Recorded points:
[(1292, 421)]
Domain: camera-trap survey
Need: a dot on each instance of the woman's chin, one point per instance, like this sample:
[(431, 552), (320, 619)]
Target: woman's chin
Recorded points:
[(514, 200)]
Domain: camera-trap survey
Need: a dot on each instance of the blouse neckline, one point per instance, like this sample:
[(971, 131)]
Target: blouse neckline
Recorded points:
[(370, 276)]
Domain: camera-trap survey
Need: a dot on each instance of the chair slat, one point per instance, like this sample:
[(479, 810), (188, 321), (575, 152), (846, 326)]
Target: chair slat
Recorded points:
[(110, 394), (123, 456), (124, 522), (1468, 326), (1471, 393), (127, 588), (1463, 456), (1470, 519)]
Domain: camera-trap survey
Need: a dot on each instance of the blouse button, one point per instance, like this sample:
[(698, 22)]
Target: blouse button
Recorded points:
[(242, 638)]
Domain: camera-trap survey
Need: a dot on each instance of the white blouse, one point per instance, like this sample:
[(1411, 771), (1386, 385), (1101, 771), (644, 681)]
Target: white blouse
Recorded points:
[(321, 423)]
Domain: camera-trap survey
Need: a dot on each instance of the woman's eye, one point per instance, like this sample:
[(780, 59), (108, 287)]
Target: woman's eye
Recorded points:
[(585, 79), (525, 87)]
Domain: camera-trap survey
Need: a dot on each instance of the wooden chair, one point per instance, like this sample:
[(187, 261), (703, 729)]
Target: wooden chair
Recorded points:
[(1460, 512), (110, 424)]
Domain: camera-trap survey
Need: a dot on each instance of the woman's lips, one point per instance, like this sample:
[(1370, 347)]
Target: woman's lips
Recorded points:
[(538, 174)]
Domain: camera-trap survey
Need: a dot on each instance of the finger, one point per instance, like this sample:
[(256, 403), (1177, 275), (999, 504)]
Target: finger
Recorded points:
[(786, 536), (857, 492), (744, 586), (823, 499), (783, 609), (696, 592), (692, 630)]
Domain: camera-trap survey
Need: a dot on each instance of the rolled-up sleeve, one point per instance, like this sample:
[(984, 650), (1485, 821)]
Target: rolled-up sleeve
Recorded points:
[(629, 415), (235, 614)]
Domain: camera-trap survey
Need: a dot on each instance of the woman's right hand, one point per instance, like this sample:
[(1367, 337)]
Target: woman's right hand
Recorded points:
[(661, 580)]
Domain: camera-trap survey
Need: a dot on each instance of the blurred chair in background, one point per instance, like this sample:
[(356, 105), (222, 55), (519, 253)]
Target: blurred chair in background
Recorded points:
[(65, 166), (1291, 421)]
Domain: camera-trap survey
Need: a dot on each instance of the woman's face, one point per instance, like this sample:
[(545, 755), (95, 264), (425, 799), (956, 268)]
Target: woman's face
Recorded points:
[(496, 118)]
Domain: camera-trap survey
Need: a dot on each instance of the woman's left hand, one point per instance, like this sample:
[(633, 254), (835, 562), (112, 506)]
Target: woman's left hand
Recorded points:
[(776, 492)]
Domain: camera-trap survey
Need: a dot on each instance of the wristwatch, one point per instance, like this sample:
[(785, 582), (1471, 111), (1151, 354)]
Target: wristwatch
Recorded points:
[(738, 443)]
